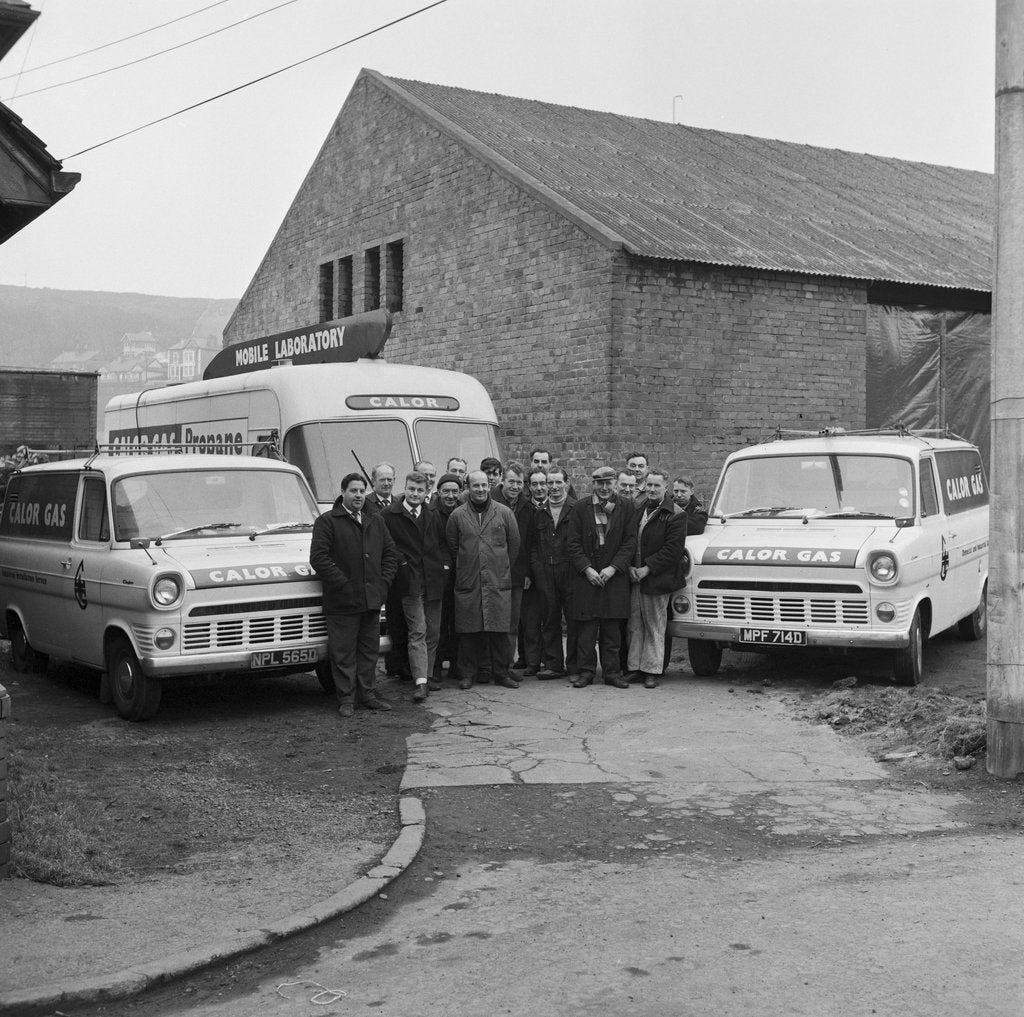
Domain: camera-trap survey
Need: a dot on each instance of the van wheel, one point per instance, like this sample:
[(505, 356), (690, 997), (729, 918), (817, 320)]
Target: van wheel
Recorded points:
[(323, 672), (705, 656), (24, 658), (136, 696), (975, 625), (907, 662)]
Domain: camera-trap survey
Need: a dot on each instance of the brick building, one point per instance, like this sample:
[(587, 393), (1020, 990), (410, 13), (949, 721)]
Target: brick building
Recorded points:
[(620, 283)]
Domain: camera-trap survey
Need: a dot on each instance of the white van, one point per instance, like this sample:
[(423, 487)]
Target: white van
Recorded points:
[(859, 539), (151, 567), (327, 415)]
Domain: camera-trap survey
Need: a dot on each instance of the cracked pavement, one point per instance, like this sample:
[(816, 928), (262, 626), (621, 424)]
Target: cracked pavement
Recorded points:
[(690, 748)]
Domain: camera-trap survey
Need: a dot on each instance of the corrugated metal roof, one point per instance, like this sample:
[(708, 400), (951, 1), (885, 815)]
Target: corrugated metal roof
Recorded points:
[(684, 193)]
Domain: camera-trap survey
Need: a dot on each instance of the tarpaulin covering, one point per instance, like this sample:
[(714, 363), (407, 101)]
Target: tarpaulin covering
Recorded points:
[(929, 368)]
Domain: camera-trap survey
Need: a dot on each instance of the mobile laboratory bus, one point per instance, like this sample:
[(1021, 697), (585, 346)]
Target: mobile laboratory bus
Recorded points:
[(321, 398)]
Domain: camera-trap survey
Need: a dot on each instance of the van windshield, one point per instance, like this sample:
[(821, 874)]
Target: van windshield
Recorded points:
[(851, 486), (208, 503)]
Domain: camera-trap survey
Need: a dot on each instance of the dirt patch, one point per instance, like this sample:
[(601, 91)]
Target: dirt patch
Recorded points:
[(228, 769)]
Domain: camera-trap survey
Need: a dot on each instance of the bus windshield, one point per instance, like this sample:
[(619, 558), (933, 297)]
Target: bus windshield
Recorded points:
[(441, 440), (324, 450)]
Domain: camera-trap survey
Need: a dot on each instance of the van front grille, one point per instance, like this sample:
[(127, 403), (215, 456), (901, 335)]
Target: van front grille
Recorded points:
[(786, 611), (255, 631)]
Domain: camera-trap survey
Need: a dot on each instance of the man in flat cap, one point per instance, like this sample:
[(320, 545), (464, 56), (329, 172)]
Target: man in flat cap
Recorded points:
[(602, 542)]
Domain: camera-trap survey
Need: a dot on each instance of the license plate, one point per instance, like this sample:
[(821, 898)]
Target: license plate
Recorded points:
[(281, 658), (773, 637)]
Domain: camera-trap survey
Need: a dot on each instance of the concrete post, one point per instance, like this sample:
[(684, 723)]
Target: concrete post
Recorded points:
[(5, 821), (1005, 691)]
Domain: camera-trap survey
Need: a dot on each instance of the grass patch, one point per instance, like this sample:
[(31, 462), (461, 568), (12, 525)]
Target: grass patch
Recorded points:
[(57, 839)]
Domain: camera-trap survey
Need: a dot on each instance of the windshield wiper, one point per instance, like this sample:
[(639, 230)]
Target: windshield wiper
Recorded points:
[(858, 515), (764, 510), (195, 529), (280, 526)]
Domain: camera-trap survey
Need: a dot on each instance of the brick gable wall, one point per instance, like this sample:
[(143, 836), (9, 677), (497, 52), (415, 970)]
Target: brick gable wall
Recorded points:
[(711, 359), (496, 283)]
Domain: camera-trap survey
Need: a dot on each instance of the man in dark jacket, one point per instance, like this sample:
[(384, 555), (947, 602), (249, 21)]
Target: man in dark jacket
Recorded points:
[(552, 577), (420, 580), (686, 498), (449, 489), (511, 493), (355, 558), (602, 541), (656, 570)]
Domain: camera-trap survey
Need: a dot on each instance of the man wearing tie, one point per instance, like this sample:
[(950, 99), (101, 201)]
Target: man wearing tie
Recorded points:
[(419, 583)]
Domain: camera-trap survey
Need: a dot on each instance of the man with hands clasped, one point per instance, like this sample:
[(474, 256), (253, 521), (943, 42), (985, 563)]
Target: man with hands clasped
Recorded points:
[(601, 543)]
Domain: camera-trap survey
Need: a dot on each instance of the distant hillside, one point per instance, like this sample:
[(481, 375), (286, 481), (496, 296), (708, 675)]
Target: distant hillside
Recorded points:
[(37, 325)]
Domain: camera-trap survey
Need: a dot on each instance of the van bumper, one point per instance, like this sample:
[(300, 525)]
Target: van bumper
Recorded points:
[(157, 666), (886, 639)]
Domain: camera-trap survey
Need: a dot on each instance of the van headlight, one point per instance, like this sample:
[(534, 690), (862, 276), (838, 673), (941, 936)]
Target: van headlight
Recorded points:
[(680, 604), (167, 591), (883, 568)]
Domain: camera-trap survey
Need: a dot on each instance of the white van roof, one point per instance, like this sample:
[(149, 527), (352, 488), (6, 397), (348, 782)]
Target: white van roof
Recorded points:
[(851, 443), (114, 465)]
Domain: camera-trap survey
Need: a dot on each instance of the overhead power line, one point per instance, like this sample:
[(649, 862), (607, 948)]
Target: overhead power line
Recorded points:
[(150, 56), (255, 81), (113, 42)]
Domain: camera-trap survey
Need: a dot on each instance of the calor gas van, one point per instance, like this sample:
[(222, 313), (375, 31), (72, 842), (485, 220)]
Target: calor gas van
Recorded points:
[(860, 539), (152, 567)]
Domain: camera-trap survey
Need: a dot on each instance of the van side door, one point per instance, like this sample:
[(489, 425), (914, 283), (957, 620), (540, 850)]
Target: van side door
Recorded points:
[(85, 609), (36, 530), (963, 493)]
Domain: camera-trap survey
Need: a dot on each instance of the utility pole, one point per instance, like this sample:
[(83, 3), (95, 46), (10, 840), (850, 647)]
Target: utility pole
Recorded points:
[(1005, 692)]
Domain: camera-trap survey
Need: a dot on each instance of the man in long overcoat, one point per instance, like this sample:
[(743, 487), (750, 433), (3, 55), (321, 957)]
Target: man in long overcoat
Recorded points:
[(483, 540), (602, 542), (355, 558)]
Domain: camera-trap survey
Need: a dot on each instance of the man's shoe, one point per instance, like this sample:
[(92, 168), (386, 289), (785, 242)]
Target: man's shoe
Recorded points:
[(530, 670), (507, 682), (420, 692), (635, 677), (617, 681), (548, 674), (434, 685), (650, 681), (374, 703), (582, 681), (483, 679), (346, 709), (465, 683)]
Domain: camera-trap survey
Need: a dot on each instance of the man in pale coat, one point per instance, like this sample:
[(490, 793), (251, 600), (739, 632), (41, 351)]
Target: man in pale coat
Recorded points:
[(483, 540)]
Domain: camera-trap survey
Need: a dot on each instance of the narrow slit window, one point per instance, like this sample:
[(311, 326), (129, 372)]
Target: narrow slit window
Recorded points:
[(344, 287), (371, 279), (326, 291), (394, 274)]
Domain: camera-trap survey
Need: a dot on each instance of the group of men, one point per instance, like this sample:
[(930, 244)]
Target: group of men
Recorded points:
[(499, 558)]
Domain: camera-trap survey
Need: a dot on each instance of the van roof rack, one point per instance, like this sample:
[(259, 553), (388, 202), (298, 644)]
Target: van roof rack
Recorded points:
[(896, 430)]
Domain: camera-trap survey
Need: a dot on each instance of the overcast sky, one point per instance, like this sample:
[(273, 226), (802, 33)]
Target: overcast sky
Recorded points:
[(188, 207)]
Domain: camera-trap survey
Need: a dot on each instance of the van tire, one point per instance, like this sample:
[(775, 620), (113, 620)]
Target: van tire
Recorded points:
[(705, 657), (326, 676), (136, 696), (24, 658), (975, 625), (908, 661)]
